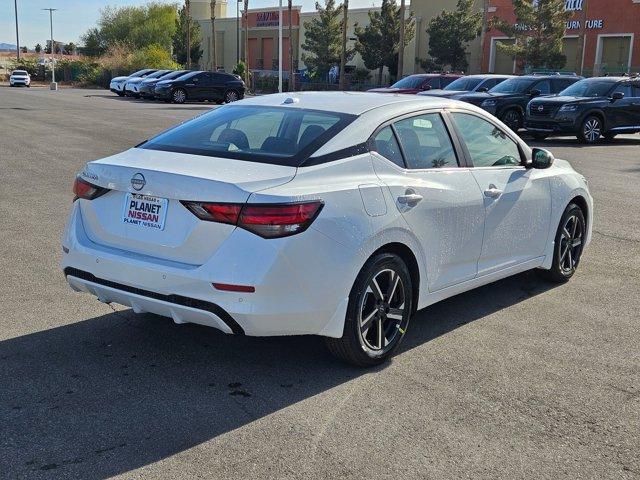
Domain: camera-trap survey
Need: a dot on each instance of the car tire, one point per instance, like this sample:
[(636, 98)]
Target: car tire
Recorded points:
[(568, 245), (378, 313), (590, 130), (231, 96), (512, 118), (179, 96), (120, 94)]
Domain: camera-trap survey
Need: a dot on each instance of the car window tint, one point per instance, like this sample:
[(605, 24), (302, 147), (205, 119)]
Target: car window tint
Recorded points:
[(544, 87), (624, 88), (385, 144), (425, 142), (313, 125), (636, 90), (254, 133), (487, 144), (434, 83)]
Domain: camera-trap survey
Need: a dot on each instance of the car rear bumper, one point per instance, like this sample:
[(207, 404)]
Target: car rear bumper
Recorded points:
[(291, 296)]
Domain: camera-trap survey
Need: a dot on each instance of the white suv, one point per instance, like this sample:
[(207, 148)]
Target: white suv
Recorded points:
[(20, 77)]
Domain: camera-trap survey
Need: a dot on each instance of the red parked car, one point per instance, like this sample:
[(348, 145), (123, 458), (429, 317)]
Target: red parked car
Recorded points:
[(419, 83)]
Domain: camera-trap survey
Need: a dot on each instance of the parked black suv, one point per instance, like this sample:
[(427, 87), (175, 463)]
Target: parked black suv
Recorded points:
[(590, 108), (467, 84), (508, 100), (213, 86)]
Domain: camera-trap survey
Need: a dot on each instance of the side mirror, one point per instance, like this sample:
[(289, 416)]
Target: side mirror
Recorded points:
[(482, 89), (617, 96), (541, 158), (426, 87), (535, 92)]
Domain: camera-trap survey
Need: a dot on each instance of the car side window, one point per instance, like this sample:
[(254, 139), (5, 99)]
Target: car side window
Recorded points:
[(385, 144), (426, 142), (487, 144), (434, 83), (636, 90), (544, 87), (624, 88)]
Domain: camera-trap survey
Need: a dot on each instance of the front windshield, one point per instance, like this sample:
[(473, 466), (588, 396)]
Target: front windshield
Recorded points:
[(275, 135), (464, 84), (172, 75), (187, 75), (588, 88), (159, 73), (19, 72), (139, 73), (513, 85), (409, 82)]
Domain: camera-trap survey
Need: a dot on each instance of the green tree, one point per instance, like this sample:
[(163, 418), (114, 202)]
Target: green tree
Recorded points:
[(180, 39), (323, 41), (70, 48), (38, 48), (136, 26), (378, 43), (94, 45), (449, 34), (538, 33)]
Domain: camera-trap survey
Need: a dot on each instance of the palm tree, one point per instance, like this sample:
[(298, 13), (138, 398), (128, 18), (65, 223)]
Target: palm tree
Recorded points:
[(343, 53), (401, 45)]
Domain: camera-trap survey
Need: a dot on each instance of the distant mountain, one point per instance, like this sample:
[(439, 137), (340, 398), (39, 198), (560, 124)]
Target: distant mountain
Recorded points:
[(7, 46)]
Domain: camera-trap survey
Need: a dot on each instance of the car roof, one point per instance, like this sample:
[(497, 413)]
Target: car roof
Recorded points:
[(490, 75), (354, 103), (569, 77), (611, 79)]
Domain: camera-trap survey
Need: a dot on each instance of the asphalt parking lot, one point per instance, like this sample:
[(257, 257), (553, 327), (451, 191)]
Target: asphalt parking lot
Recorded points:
[(518, 379)]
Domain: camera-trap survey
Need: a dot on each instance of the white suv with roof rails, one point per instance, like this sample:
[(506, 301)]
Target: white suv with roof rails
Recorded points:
[(20, 77)]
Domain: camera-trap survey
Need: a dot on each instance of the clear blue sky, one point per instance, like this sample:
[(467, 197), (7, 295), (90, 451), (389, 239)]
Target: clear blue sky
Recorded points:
[(74, 17)]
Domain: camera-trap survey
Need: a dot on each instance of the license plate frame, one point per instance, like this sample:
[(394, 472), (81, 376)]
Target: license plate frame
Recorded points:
[(145, 211)]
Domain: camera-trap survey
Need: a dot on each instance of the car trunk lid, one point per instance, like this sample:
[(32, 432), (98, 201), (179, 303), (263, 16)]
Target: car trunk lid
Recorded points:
[(143, 213)]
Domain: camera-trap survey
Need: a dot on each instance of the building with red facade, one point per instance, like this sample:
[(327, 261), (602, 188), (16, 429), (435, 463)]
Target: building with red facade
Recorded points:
[(611, 30)]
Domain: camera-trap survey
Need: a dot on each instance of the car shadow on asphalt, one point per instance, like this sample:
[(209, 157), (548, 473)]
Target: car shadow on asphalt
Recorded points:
[(110, 394)]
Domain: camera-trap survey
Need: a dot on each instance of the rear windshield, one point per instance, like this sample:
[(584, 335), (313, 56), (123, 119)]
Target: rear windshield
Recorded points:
[(464, 83), (275, 135)]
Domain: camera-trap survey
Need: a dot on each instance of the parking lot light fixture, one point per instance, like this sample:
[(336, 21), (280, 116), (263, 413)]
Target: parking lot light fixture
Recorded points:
[(54, 85)]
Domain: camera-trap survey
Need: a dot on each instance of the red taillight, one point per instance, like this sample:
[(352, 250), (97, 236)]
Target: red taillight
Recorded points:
[(266, 220), (86, 190), (215, 212)]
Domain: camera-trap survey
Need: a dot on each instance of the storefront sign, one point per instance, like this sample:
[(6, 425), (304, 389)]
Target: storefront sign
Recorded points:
[(596, 24), (267, 19)]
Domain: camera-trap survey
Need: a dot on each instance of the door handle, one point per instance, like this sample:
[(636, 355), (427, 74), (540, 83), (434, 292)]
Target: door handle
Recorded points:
[(492, 191), (409, 198)]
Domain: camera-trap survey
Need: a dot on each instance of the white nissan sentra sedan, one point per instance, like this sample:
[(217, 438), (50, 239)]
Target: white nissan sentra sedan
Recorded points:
[(331, 214)]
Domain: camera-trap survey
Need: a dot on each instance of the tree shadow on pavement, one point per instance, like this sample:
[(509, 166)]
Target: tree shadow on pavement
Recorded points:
[(110, 394)]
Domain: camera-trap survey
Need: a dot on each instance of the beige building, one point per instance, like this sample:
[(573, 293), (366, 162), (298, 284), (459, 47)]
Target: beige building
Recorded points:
[(263, 35)]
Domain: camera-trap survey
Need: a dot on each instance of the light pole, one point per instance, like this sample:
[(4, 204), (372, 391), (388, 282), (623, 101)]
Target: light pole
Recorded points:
[(54, 85), (187, 6), (238, 31), (15, 4), (280, 47), (214, 57)]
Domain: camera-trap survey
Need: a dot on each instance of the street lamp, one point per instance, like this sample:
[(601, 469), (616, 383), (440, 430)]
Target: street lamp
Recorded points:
[(54, 85), (15, 4)]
